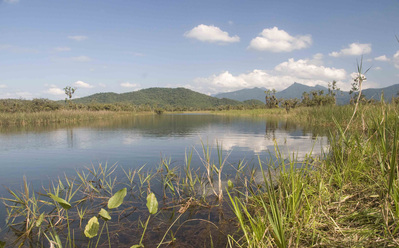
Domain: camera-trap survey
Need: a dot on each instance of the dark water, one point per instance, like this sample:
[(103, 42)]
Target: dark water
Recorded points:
[(45, 153)]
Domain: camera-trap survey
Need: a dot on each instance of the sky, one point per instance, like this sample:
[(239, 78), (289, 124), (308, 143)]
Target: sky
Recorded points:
[(207, 46)]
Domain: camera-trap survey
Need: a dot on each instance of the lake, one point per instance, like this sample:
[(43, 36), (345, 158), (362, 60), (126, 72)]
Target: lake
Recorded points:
[(45, 153)]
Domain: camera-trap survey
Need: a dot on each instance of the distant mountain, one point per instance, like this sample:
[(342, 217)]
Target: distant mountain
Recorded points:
[(176, 97), (296, 90), (389, 92), (244, 94)]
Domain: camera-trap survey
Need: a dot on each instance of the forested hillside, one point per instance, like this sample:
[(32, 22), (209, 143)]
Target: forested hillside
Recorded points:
[(161, 97)]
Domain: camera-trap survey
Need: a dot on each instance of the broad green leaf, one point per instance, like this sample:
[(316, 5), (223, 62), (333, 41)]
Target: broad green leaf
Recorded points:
[(117, 199), (92, 227), (104, 214), (230, 184), (40, 220), (2, 244), (61, 201), (152, 203)]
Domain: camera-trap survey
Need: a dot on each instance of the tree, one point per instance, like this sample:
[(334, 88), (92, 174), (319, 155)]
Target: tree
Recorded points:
[(271, 99), (333, 90), (69, 91), (289, 104)]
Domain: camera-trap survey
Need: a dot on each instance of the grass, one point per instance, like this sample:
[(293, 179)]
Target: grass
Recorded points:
[(348, 197), (58, 116)]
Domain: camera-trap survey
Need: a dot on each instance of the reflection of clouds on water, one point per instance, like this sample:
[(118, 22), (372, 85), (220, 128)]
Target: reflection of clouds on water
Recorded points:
[(287, 143), (131, 138)]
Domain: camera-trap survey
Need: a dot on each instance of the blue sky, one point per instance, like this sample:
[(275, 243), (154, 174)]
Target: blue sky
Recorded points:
[(207, 46)]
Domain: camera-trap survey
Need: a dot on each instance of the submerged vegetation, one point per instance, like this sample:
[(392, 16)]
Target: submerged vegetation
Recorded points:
[(347, 197)]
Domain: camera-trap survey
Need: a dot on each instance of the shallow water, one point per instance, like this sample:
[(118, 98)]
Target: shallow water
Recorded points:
[(45, 153)]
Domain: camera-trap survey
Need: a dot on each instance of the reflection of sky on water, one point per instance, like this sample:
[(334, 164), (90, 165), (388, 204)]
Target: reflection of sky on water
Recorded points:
[(45, 154)]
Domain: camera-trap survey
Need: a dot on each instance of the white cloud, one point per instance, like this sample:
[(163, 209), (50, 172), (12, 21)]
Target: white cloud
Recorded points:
[(396, 59), (78, 37), (354, 49), (382, 58), (283, 75), (62, 49), (3, 86), (317, 59), (82, 84), (102, 85), (81, 59), (211, 34), (55, 91), (303, 69), (129, 85), (275, 40), (11, 1), (377, 68)]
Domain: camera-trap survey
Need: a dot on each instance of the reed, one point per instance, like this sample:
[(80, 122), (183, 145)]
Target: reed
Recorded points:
[(57, 116)]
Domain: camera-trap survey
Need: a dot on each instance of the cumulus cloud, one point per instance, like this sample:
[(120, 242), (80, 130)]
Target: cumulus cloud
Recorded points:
[(78, 37), (82, 84), (396, 59), (276, 40), (102, 85), (303, 69), (3, 86), (382, 58), (81, 59), (55, 91), (283, 75), (62, 49), (354, 49), (129, 85), (211, 34)]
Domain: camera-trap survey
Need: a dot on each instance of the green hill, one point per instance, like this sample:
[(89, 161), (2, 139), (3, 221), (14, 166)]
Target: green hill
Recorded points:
[(161, 97)]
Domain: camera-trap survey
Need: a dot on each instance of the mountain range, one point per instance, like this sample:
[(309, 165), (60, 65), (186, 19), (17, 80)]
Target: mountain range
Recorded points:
[(182, 97), (296, 90)]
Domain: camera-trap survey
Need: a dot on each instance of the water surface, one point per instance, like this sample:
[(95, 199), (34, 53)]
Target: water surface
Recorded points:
[(45, 153)]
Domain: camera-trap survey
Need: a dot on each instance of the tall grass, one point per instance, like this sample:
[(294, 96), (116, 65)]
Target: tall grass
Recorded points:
[(348, 198)]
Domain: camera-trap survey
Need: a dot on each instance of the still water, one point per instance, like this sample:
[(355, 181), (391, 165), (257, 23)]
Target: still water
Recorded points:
[(42, 154)]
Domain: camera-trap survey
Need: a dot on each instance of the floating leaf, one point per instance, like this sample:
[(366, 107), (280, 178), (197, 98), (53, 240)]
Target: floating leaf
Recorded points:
[(92, 227), (40, 220), (117, 199), (152, 203), (104, 214), (61, 201), (230, 184)]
